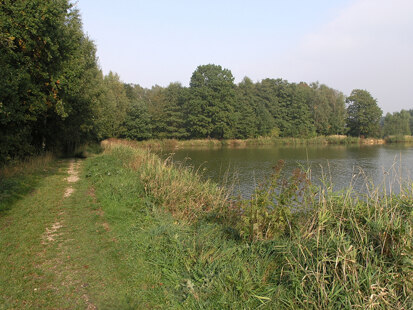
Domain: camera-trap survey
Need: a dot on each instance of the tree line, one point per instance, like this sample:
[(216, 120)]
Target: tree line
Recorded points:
[(213, 106), (53, 95)]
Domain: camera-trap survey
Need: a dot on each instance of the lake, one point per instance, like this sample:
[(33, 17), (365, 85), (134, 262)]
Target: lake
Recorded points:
[(342, 165)]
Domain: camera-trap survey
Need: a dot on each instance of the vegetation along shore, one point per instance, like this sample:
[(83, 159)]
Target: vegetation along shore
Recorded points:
[(138, 232), (260, 141)]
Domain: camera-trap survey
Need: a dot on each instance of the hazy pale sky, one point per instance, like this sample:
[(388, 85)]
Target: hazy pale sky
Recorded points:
[(345, 44)]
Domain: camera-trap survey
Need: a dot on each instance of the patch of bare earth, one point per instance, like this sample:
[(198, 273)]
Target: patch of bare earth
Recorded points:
[(69, 191), (51, 233)]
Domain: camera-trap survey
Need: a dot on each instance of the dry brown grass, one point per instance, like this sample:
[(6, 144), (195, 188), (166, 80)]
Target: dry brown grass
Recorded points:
[(27, 166)]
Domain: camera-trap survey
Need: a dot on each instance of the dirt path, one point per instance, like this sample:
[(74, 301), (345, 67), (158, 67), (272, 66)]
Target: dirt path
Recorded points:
[(67, 273), (52, 232), (60, 247), (46, 256)]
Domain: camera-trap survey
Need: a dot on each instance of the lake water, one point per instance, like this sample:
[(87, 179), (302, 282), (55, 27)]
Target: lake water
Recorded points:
[(243, 168)]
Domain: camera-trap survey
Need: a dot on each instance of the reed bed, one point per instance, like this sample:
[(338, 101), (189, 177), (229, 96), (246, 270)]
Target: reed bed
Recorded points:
[(399, 139), (240, 143)]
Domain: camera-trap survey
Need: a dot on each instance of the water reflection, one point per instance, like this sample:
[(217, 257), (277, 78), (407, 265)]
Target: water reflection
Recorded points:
[(243, 168)]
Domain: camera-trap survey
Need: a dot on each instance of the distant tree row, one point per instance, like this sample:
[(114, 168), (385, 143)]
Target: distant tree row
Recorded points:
[(53, 96), (398, 123), (213, 106)]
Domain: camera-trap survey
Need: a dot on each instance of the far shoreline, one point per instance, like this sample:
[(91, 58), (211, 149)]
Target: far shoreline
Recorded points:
[(261, 141)]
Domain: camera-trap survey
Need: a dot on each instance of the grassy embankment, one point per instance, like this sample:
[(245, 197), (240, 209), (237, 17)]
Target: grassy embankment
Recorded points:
[(342, 252), (140, 233)]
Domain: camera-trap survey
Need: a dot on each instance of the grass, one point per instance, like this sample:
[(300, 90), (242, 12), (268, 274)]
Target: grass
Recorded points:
[(345, 251), (140, 233), (89, 263), (19, 178)]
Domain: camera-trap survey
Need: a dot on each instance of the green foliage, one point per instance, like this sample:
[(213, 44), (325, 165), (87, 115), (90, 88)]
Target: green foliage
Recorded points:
[(363, 114), (397, 123), (268, 214), (54, 97), (111, 111), (48, 78), (166, 109), (411, 120), (328, 109), (288, 105), (253, 117), (137, 122), (210, 107)]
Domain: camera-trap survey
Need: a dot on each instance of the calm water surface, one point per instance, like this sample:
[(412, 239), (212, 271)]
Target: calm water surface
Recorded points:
[(243, 168)]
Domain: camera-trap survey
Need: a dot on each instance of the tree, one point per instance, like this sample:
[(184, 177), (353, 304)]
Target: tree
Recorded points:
[(411, 121), (210, 108), (328, 109), (363, 114), (138, 123), (247, 122), (48, 68), (112, 107), (397, 123), (299, 120), (174, 126), (288, 105)]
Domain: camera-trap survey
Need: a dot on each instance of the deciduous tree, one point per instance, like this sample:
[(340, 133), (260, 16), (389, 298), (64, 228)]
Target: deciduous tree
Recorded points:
[(363, 114)]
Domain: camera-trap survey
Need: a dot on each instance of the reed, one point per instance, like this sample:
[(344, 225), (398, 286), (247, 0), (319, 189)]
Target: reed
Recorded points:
[(240, 143), (399, 139)]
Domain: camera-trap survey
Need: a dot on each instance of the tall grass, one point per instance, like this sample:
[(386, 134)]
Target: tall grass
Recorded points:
[(239, 143), (399, 139), (20, 177), (340, 251), (28, 165), (178, 189)]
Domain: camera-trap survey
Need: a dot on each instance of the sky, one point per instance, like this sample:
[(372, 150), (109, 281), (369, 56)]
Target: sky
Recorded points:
[(345, 44)]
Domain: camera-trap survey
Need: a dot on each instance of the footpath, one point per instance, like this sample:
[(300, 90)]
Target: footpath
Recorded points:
[(56, 248)]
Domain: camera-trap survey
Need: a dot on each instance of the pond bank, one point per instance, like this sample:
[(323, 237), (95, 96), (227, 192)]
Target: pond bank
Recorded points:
[(342, 251)]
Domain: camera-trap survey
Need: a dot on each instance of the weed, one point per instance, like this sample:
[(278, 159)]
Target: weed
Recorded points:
[(269, 211)]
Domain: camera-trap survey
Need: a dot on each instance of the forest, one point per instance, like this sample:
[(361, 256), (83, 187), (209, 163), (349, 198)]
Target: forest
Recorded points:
[(54, 96)]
